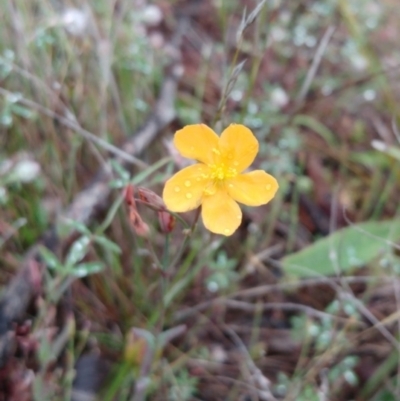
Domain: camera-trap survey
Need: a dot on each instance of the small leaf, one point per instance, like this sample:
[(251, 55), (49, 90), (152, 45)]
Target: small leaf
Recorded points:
[(353, 246), (121, 171), (371, 159), (117, 183), (107, 244), (76, 225), (77, 251), (86, 269), (142, 175), (6, 119), (49, 258), (23, 111), (389, 150), (316, 126)]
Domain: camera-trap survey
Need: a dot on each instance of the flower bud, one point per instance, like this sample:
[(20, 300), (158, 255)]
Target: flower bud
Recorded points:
[(167, 221), (135, 349), (151, 199), (139, 226)]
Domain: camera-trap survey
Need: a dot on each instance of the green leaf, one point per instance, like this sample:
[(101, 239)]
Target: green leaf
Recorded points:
[(85, 269), (353, 246), (49, 258), (22, 111), (116, 184), (77, 251), (107, 244), (76, 225), (120, 170), (314, 125), (371, 159), (387, 150), (142, 175)]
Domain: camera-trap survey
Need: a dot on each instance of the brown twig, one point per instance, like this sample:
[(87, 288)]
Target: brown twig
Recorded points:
[(262, 290)]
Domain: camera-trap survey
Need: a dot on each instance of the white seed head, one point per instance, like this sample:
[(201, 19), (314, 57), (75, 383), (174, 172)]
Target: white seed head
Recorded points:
[(152, 15), (26, 170), (75, 21)]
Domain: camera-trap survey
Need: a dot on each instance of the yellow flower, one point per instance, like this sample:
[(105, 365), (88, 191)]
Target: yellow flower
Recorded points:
[(217, 182)]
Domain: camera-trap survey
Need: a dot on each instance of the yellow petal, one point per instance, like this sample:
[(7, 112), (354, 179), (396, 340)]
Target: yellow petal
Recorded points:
[(253, 189), (184, 190), (220, 213), (197, 142), (238, 147)]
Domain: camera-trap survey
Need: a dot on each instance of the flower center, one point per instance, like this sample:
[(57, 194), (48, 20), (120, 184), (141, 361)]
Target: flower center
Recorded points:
[(220, 172), (219, 169)]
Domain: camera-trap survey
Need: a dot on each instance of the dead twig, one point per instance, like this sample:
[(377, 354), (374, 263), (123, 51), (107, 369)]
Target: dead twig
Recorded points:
[(315, 64), (262, 290), (260, 383)]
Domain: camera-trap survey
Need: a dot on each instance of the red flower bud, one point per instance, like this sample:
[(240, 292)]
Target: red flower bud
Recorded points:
[(140, 227), (167, 221), (151, 199)]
